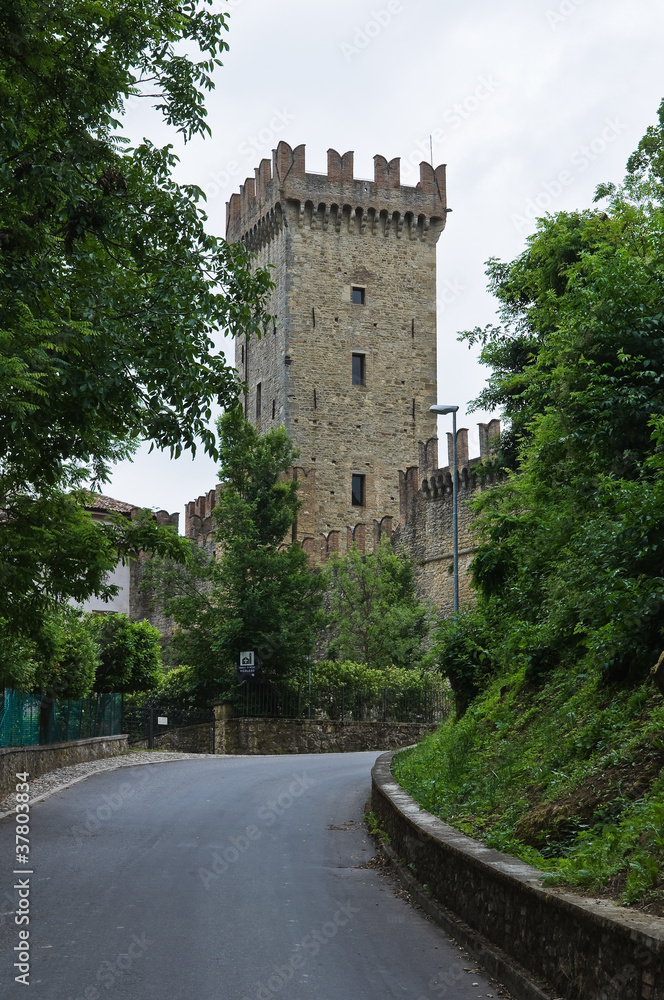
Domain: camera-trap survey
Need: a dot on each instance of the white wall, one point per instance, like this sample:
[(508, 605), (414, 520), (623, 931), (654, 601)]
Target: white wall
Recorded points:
[(120, 577), (119, 603)]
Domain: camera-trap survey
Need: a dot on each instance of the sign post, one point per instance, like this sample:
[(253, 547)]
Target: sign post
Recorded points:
[(247, 665)]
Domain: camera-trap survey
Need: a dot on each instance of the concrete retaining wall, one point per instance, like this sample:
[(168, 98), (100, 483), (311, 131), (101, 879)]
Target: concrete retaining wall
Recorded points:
[(37, 760), (585, 949), (274, 736)]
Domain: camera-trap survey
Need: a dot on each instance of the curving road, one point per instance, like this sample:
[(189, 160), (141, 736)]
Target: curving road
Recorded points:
[(221, 879)]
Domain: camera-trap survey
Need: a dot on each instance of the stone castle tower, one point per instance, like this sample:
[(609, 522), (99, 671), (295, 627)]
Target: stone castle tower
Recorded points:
[(350, 366)]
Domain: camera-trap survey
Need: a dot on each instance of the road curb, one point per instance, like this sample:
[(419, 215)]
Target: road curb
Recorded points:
[(579, 947), (498, 964)]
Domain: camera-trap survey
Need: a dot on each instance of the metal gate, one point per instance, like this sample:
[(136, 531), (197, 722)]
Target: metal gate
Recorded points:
[(169, 727)]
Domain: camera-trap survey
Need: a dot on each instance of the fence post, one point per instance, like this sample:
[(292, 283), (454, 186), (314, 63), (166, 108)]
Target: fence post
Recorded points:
[(151, 730), (343, 702)]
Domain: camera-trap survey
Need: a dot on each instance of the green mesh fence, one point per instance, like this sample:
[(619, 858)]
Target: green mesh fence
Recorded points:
[(29, 719)]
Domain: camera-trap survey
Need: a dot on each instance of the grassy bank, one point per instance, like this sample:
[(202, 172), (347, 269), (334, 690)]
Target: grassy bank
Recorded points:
[(566, 776)]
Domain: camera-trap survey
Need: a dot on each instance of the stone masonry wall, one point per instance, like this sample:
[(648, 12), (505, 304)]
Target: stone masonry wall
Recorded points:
[(584, 949), (143, 603), (281, 736), (188, 739), (425, 522), (324, 235), (38, 760)]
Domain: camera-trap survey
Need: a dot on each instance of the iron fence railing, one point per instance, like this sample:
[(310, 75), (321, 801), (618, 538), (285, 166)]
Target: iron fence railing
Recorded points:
[(343, 703), (30, 719)]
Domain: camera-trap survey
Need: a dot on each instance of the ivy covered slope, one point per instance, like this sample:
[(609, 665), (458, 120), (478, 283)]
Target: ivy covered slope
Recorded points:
[(557, 748), (565, 775)]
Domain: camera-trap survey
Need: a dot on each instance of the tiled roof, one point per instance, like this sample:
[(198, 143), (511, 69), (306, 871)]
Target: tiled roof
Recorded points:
[(100, 502)]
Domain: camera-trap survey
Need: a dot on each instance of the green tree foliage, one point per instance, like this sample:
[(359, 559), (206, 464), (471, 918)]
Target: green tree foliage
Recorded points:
[(259, 593), (60, 662), (111, 289), (78, 653), (67, 657), (51, 551), (18, 660), (337, 673), (462, 649), (180, 685), (129, 652), (374, 615), (570, 566), (364, 692)]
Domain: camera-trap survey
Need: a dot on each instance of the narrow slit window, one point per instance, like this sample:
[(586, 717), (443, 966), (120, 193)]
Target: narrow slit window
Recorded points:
[(274, 403), (357, 295), (357, 490), (258, 399), (359, 369)]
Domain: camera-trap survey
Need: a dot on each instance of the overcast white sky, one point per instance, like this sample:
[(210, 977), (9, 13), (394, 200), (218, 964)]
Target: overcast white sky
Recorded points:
[(531, 103)]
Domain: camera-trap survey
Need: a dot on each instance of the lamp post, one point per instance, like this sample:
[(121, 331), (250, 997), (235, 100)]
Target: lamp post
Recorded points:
[(440, 408)]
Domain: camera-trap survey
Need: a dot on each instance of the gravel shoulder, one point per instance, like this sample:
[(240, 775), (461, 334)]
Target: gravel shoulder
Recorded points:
[(63, 777)]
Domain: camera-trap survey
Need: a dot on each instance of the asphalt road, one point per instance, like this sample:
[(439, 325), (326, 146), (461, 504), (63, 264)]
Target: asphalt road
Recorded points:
[(240, 879)]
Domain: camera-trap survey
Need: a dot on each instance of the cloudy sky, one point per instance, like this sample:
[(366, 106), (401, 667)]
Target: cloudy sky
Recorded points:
[(531, 103)]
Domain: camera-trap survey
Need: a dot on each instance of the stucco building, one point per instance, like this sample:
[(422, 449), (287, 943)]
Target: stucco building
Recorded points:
[(131, 599)]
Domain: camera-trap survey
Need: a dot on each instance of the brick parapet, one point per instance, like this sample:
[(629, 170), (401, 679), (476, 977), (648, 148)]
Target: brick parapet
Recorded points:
[(366, 536), (162, 517), (200, 508), (489, 439)]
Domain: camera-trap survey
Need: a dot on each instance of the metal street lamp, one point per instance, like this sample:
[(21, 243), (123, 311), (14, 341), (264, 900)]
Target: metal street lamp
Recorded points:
[(440, 408)]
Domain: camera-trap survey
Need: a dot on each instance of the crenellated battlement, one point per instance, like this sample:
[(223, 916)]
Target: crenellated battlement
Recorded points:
[(283, 194), (438, 482), (198, 519), (426, 514), (427, 482), (200, 524)]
